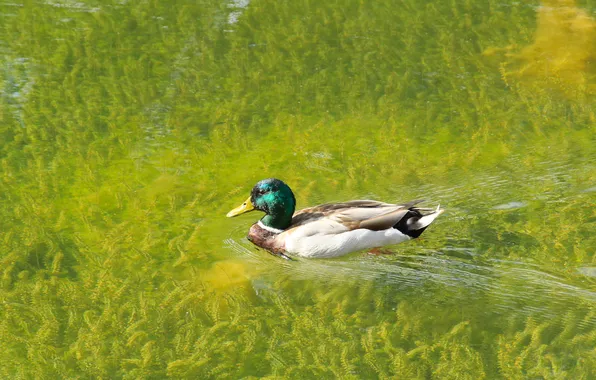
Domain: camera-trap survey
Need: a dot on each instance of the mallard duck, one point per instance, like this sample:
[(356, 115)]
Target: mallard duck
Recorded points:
[(331, 229)]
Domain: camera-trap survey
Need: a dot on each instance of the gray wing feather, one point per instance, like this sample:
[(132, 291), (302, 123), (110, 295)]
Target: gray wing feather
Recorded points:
[(384, 221), (366, 214)]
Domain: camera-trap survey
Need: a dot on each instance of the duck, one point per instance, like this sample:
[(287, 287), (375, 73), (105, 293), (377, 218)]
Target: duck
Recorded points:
[(331, 229)]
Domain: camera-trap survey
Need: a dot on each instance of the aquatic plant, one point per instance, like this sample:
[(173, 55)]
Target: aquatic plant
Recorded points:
[(128, 130)]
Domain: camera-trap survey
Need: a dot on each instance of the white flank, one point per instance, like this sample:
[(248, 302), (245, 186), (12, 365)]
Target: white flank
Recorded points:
[(327, 244)]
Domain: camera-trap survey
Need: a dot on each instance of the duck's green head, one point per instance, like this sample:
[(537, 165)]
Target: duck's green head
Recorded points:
[(274, 198)]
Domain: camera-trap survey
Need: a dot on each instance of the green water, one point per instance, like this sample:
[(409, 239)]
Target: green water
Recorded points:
[(129, 129)]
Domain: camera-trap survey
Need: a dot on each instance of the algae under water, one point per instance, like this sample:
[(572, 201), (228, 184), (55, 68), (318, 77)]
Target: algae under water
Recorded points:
[(129, 129)]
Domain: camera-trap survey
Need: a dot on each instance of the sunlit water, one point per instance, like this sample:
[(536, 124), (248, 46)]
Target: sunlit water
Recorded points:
[(129, 130)]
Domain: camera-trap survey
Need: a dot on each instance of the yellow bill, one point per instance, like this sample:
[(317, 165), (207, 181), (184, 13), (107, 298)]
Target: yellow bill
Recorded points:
[(245, 207)]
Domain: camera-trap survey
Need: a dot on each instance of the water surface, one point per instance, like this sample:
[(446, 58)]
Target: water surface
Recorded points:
[(129, 129)]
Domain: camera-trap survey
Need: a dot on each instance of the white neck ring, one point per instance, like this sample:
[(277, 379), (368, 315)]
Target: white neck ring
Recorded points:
[(270, 229)]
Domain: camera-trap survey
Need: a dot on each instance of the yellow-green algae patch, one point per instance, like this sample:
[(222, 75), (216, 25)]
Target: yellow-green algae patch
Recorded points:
[(562, 53), (227, 275)]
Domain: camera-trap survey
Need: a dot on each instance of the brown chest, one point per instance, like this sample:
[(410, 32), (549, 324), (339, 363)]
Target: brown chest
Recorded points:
[(264, 239)]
